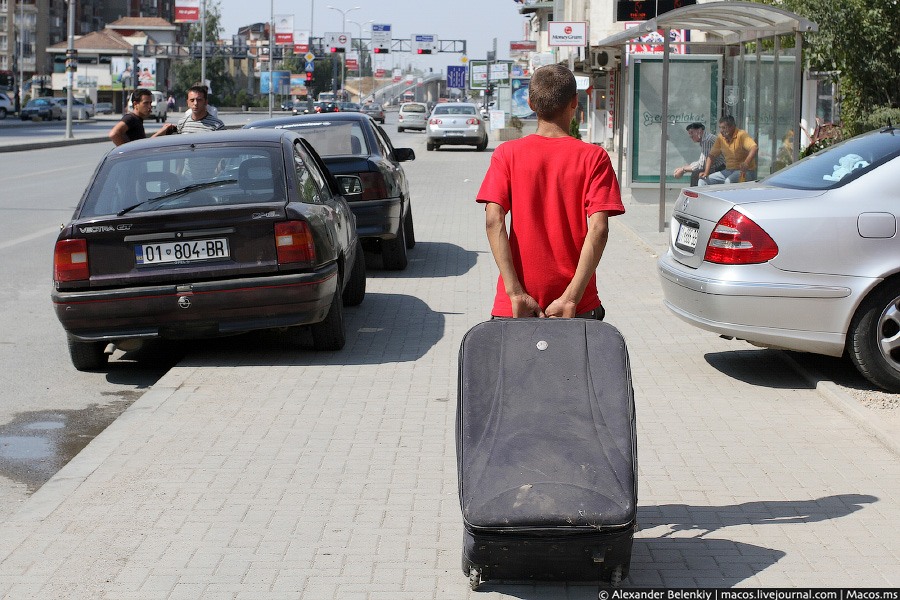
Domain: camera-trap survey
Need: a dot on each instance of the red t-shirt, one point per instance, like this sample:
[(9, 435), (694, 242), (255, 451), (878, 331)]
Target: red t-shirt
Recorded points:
[(550, 186)]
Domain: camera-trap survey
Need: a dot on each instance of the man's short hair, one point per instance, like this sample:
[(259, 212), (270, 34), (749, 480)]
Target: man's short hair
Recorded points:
[(693, 126), (137, 94), (727, 120), (552, 89), (199, 89)]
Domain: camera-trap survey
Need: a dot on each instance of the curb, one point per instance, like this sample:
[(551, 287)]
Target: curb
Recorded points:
[(844, 403), (65, 142)]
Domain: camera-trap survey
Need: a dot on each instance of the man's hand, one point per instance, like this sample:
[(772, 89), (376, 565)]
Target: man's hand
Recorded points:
[(524, 305), (679, 172), (562, 309)]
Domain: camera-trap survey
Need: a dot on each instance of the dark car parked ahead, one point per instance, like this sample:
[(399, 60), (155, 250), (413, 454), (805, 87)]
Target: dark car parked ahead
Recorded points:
[(207, 235), (352, 143)]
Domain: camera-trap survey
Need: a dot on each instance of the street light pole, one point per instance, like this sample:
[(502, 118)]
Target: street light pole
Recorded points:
[(70, 69), (359, 47), (271, 56), (343, 29)]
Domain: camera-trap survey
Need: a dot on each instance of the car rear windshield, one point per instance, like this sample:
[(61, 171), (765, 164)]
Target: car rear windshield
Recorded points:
[(839, 164), (415, 108), (186, 178), (333, 138), (454, 110)]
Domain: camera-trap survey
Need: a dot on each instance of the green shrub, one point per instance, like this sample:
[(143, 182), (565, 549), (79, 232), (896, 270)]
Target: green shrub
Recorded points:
[(573, 129)]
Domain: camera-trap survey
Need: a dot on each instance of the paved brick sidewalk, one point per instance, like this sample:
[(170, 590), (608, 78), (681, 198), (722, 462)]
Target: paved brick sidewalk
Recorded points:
[(256, 470)]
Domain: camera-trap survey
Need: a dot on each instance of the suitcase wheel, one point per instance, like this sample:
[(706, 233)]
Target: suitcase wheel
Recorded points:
[(615, 578), (474, 578)]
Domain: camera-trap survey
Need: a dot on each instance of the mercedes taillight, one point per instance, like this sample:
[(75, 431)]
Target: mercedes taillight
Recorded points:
[(738, 240)]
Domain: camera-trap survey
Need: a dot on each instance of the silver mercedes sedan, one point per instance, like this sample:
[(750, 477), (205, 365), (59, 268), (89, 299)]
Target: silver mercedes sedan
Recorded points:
[(806, 259)]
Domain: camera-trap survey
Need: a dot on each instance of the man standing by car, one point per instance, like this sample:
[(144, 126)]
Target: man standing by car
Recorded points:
[(739, 151), (560, 192), (131, 127), (199, 120), (698, 134)]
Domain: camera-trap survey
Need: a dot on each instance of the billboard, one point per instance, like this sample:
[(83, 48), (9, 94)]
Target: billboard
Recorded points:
[(123, 78), (282, 82), (187, 11), (284, 29)]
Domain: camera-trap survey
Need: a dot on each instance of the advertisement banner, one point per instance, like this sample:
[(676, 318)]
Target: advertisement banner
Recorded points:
[(567, 34), (282, 81), (187, 11), (301, 42), (123, 78), (520, 106), (284, 29)]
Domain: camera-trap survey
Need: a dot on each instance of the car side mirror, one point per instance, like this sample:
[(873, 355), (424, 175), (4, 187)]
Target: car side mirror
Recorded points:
[(404, 154), (351, 186)]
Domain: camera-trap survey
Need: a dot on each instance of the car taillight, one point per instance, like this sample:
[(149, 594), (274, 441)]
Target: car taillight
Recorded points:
[(434, 121), (400, 117), (294, 242), (70, 261), (473, 122), (737, 240), (374, 187)]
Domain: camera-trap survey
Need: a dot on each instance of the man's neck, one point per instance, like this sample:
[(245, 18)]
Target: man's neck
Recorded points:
[(555, 128), (199, 118)]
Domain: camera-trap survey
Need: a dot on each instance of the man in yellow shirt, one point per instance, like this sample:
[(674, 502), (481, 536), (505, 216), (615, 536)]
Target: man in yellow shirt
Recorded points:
[(739, 151)]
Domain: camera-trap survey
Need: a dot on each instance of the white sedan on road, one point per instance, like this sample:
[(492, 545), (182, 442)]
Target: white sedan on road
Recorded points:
[(455, 123)]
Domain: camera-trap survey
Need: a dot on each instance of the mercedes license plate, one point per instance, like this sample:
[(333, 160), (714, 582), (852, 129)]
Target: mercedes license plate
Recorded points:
[(687, 237)]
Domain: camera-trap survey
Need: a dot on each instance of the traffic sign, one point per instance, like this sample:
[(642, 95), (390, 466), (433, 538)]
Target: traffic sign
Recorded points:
[(456, 77), (381, 38), (424, 43), (309, 56)]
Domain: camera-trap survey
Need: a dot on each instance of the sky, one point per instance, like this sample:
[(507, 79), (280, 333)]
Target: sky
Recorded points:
[(476, 21)]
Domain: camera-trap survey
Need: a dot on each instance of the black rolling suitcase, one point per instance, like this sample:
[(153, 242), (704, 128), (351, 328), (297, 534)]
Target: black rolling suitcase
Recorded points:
[(546, 451)]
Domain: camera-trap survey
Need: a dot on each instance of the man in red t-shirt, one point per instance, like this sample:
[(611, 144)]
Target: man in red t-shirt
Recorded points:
[(560, 192)]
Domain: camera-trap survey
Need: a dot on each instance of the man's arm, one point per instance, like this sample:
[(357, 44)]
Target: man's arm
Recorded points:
[(523, 305), (751, 155), (591, 252), (117, 133)]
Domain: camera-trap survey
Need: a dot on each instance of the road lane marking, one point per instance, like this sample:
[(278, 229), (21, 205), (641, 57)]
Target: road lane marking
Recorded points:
[(29, 237)]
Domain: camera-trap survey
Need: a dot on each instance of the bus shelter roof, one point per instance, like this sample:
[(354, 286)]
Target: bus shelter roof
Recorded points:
[(725, 22)]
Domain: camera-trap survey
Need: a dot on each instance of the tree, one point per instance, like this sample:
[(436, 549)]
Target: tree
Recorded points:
[(857, 41), (187, 73)]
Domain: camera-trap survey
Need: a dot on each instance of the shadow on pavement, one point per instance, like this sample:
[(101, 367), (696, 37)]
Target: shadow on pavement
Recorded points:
[(760, 367), (427, 259), (385, 328), (676, 560)]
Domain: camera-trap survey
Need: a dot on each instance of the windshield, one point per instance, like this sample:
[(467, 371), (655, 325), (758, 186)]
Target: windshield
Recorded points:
[(332, 138), (454, 110), (186, 178), (413, 108), (839, 164)]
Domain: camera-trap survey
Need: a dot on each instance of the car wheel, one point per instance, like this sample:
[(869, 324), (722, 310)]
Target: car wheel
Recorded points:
[(482, 146), (393, 252), (429, 146), (408, 230), (2, 113), (399, 130), (328, 334), (873, 342), (87, 356), (165, 118), (355, 291)]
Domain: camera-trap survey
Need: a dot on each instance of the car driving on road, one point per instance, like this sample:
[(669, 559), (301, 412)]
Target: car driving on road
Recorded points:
[(412, 115), (206, 235), (806, 259), (351, 143), (455, 123)]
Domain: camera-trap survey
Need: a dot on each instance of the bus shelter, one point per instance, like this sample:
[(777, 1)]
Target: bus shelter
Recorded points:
[(740, 64)]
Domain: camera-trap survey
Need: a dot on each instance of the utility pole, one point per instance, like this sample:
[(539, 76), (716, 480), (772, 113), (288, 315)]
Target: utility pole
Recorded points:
[(71, 65)]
